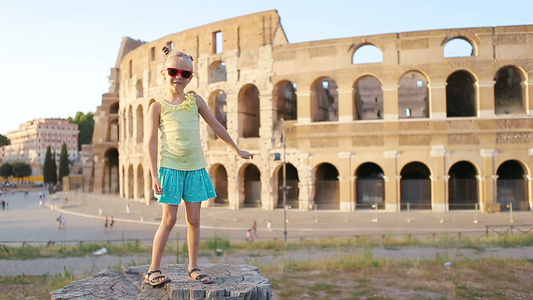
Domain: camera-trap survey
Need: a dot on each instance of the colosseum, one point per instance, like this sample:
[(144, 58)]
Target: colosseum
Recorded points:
[(437, 120)]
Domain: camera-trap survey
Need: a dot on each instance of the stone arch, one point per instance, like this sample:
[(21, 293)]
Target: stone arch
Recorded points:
[(458, 47), (415, 186), (512, 186), (113, 108), (218, 105), (139, 89), (251, 181), (369, 186), (285, 103), (324, 100), (249, 111), (292, 183), (140, 182), (413, 96), (111, 179), (461, 95), (217, 71), (368, 98), (367, 54), (509, 91), (463, 186), (326, 184), (219, 176), (139, 121)]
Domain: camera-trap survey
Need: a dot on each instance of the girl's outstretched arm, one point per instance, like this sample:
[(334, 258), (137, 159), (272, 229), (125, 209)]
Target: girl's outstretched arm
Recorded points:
[(219, 130), (154, 112)]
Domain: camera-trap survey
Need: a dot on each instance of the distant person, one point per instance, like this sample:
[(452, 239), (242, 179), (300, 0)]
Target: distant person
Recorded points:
[(254, 229), (3, 203), (61, 222), (112, 222), (105, 224), (128, 210), (181, 173)]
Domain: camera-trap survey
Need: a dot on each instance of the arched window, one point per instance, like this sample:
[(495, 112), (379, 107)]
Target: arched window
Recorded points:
[(458, 47), (217, 72), (325, 100), (285, 101), (460, 95), (248, 111), (367, 54), (368, 99), (508, 91), (413, 96)]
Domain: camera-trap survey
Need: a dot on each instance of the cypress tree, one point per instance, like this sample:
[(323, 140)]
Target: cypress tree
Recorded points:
[(47, 168), (53, 174), (63, 163)]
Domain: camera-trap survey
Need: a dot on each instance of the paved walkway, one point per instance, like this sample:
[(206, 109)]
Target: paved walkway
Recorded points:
[(27, 219)]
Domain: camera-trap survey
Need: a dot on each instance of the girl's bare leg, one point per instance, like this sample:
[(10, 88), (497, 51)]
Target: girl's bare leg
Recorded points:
[(193, 232), (193, 237), (168, 220)]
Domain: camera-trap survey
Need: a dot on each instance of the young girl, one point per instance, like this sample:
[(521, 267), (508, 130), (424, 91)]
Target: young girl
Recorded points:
[(181, 173)]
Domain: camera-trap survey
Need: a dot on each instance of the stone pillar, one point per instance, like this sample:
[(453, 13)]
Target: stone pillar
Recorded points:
[(306, 184), (346, 201), (489, 201), (485, 101), (528, 95), (438, 100), (439, 195), (530, 190), (390, 102), (346, 105), (98, 175), (304, 107), (392, 181)]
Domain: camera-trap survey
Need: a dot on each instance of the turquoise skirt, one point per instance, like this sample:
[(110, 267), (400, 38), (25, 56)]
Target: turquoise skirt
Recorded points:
[(191, 186)]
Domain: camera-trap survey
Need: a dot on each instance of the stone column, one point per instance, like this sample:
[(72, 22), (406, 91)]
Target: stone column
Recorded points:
[(485, 101), (438, 100), (346, 201), (390, 102), (346, 105), (528, 95), (489, 201), (439, 195), (392, 181), (304, 107)]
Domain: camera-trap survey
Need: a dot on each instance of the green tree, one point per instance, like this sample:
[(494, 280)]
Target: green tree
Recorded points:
[(6, 170), (48, 168), (63, 163), (54, 168), (21, 170), (85, 126), (4, 140)]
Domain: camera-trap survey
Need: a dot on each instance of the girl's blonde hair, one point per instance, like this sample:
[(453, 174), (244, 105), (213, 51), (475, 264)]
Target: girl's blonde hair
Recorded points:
[(170, 53)]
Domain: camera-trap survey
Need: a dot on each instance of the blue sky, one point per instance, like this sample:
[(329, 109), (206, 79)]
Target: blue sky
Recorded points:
[(55, 56)]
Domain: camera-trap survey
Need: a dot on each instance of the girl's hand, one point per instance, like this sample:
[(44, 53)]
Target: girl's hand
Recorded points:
[(156, 186), (245, 154)]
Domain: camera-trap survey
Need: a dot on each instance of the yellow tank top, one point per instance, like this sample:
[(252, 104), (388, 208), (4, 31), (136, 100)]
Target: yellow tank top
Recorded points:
[(181, 148)]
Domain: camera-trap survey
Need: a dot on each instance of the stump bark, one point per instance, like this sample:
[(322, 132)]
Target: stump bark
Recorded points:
[(230, 282)]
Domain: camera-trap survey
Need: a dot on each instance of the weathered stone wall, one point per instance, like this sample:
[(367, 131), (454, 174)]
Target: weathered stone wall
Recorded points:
[(332, 147)]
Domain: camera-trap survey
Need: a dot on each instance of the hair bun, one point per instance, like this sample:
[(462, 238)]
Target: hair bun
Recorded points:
[(165, 50)]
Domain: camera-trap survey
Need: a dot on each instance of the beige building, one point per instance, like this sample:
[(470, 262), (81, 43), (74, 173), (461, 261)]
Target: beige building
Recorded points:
[(434, 120), (29, 142)]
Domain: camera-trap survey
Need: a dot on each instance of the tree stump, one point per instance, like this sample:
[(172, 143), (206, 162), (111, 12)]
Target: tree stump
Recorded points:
[(230, 282)]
